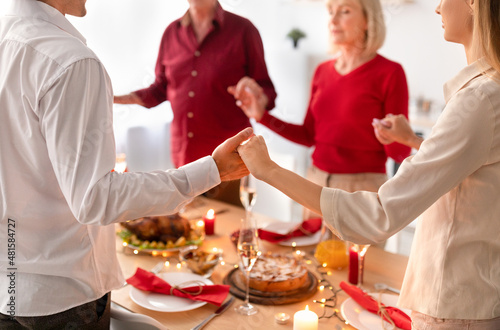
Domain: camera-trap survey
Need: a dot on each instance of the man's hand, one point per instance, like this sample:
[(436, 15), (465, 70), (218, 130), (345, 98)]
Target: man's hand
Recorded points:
[(131, 98), (250, 97), (228, 161)]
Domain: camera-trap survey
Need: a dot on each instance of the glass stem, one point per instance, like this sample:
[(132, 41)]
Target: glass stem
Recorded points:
[(361, 262), (247, 296)]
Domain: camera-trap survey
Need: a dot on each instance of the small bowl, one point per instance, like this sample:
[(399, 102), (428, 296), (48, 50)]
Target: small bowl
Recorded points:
[(199, 261)]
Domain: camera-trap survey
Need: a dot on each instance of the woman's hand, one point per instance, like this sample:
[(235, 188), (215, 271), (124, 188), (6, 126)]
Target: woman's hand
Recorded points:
[(256, 157), (396, 129), (250, 97)]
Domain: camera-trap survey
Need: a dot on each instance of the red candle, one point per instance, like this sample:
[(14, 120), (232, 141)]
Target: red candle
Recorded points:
[(209, 220), (353, 265)]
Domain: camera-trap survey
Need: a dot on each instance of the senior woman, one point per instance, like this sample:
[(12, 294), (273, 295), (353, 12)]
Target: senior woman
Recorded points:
[(453, 276), (346, 94)]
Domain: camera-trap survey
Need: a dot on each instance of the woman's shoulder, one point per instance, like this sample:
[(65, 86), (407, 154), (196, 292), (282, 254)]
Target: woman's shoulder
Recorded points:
[(382, 61)]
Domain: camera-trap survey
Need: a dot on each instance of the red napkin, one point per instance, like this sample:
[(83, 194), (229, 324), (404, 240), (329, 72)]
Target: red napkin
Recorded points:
[(400, 319), (307, 227), (147, 281)]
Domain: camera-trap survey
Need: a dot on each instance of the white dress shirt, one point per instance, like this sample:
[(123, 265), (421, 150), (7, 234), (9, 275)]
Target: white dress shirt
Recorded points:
[(56, 155), (454, 182)]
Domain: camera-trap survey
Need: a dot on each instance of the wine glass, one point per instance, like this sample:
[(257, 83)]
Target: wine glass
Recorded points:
[(357, 263), (248, 193), (248, 250)]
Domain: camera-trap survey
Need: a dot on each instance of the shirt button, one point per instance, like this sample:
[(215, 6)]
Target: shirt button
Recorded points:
[(191, 94), (197, 53), (194, 73), (190, 134), (190, 115)]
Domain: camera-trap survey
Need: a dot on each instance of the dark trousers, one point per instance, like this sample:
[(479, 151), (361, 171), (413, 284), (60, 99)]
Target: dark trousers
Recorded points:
[(94, 315)]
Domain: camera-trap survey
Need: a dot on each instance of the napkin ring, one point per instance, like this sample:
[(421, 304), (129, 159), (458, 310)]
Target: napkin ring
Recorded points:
[(383, 313), (185, 284)]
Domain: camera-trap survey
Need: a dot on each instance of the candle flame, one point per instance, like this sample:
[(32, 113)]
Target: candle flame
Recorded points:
[(210, 214), (200, 223), (307, 307)]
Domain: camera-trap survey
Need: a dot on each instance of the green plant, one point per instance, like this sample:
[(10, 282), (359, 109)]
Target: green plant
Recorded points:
[(296, 34)]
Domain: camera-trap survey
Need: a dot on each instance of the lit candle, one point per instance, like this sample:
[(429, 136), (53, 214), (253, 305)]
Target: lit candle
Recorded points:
[(305, 320), (209, 221), (353, 265)]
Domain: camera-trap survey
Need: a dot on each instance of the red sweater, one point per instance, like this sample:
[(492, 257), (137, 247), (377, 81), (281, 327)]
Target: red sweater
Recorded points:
[(340, 113)]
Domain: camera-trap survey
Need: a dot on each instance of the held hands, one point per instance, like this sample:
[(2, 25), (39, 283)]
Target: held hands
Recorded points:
[(250, 97), (256, 157), (395, 129), (227, 159)]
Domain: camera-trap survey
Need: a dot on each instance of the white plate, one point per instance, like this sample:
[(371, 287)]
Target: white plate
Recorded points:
[(285, 227), (164, 303), (362, 319)]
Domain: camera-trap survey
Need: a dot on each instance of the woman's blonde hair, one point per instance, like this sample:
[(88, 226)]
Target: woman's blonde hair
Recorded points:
[(375, 34), (487, 31)]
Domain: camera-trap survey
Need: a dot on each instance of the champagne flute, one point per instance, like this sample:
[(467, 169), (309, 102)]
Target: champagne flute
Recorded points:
[(248, 193), (248, 250)]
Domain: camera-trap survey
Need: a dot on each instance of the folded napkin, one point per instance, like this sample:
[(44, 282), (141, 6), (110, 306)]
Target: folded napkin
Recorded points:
[(147, 281), (306, 228), (398, 317)]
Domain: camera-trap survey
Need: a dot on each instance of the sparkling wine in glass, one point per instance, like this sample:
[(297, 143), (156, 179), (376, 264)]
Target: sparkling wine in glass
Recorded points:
[(248, 250), (248, 192)]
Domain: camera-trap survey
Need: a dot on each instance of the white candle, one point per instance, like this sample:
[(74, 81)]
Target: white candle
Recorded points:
[(305, 320)]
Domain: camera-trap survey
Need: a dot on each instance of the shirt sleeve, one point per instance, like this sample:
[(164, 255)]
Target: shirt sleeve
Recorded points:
[(76, 121), (156, 93), (459, 145), (396, 102), (257, 68)]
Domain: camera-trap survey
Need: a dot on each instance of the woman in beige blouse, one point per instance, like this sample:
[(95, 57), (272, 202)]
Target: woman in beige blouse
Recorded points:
[(452, 183)]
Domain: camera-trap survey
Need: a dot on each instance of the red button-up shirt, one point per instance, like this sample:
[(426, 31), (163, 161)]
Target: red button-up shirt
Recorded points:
[(194, 77)]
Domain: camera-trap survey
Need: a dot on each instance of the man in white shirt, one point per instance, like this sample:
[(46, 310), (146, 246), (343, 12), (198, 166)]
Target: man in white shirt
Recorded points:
[(59, 196)]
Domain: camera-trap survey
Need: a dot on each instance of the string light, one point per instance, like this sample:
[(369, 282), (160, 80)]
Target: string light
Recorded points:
[(328, 304)]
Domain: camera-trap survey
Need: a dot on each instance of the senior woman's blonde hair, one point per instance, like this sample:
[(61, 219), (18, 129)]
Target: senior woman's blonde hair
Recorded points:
[(487, 32), (375, 34)]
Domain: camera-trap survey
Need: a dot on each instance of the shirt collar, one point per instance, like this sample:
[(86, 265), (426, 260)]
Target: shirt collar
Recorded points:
[(218, 16), (40, 10), (464, 77)]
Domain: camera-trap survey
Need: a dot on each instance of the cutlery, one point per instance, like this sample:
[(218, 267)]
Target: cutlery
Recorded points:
[(155, 270), (219, 311), (383, 286)]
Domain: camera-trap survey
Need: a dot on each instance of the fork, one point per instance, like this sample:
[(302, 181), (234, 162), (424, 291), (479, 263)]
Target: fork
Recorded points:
[(155, 270)]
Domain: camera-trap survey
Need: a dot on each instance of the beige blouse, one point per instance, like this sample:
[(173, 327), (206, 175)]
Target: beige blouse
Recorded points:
[(453, 182)]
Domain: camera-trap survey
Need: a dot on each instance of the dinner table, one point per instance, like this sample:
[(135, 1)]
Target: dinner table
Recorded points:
[(326, 300)]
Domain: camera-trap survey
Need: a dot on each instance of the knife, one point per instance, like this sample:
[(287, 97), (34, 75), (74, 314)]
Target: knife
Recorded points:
[(219, 311)]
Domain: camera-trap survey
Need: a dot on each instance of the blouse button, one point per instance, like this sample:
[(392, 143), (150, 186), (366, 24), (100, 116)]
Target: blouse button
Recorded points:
[(191, 94), (194, 73), (197, 53), (190, 134), (190, 115)]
